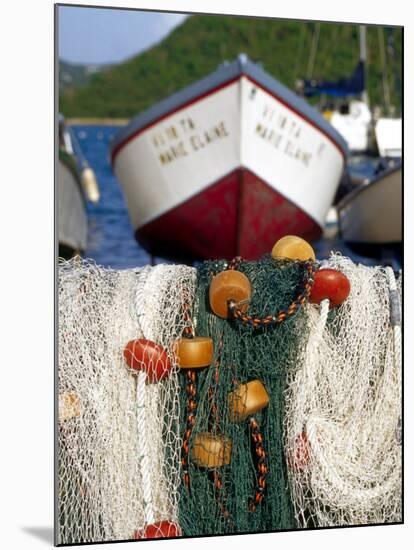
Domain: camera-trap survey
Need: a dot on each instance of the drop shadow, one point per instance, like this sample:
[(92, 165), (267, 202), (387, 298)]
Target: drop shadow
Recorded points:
[(43, 533)]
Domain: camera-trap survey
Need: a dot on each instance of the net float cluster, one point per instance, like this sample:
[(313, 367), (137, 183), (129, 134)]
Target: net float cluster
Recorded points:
[(230, 291)]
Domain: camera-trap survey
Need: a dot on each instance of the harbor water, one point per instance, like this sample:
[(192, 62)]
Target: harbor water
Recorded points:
[(111, 241)]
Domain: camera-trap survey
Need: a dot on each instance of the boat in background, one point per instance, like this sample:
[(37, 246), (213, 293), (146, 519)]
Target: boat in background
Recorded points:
[(348, 107), (353, 121), (370, 216), (388, 134), (388, 126), (76, 184), (227, 166)]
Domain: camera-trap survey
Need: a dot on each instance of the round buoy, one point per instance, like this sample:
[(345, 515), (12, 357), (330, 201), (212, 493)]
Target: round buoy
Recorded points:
[(159, 530), (147, 356), (246, 400), (195, 353), (211, 451), (90, 185), (331, 285), (293, 248), (226, 287)]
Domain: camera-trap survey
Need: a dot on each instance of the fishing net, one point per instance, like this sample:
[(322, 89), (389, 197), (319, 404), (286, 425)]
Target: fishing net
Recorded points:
[(343, 406), (118, 450), (222, 500), (321, 448)]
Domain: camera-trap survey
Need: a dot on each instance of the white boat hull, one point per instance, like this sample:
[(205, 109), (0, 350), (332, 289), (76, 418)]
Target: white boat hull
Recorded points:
[(72, 221), (237, 127), (355, 126), (372, 214), (388, 133)]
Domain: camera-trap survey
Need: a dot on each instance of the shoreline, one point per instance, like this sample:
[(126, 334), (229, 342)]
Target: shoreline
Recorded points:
[(95, 121)]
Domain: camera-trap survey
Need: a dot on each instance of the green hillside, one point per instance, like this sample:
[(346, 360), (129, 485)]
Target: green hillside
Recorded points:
[(196, 47)]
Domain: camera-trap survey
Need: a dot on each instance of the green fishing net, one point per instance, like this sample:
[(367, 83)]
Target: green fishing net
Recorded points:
[(242, 354)]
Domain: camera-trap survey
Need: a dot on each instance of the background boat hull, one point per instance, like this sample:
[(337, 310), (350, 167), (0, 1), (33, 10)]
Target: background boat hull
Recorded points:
[(373, 213), (72, 221), (228, 173)]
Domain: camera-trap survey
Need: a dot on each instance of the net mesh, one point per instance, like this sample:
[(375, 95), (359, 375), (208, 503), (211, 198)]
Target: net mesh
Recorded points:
[(343, 408), (103, 472), (325, 450), (243, 354)]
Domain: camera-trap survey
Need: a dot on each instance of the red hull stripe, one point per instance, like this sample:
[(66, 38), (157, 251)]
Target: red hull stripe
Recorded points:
[(212, 91), (238, 215)]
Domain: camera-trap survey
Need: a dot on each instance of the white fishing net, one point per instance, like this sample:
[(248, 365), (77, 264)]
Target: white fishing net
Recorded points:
[(343, 406), (118, 440)]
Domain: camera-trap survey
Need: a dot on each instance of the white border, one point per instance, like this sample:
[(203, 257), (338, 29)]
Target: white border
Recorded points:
[(27, 273)]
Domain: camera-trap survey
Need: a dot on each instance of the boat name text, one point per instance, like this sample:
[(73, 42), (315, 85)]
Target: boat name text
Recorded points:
[(283, 133), (179, 140)]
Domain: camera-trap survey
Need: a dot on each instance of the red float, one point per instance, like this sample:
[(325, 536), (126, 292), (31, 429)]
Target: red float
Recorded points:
[(331, 285), (146, 355), (159, 530), (299, 457)]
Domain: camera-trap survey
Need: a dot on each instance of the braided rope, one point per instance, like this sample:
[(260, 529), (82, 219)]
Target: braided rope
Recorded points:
[(395, 321), (395, 315), (235, 262), (188, 330), (140, 296), (141, 395), (220, 498), (143, 448), (213, 421), (262, 465), (298, 302), (191, 389), (155, 277)]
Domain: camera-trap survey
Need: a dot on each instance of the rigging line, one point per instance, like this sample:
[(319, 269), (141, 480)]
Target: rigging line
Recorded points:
[(397, 71), (299, 53), (385, 85), (314, 47)]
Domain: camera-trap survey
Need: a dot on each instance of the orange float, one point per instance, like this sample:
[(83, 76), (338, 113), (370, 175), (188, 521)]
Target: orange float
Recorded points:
[(195, 353), (293, 248), (226, 287), (246, 400), (211, 451)]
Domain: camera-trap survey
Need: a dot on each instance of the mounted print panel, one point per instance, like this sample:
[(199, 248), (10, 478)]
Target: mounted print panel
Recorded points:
[(229, 325)]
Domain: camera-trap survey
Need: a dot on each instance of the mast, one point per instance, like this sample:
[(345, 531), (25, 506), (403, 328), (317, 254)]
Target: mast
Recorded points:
[(385, 86), (314, 47), (363, 59), (394, 65)]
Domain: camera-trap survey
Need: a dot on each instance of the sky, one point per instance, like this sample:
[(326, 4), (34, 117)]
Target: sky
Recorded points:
[(99, 35)]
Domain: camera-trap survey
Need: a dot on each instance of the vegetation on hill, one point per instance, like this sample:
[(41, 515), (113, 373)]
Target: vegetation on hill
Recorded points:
[(202, 42), (73, 75)]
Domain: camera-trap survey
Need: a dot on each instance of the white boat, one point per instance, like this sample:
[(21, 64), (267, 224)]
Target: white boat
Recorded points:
[(388, 134), (371, 214), (348, 107), (354, 125), (75, 183), (227, 166)]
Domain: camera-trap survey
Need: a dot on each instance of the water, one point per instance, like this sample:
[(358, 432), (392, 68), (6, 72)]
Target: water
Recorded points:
[(110, 240), (111, 236)]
